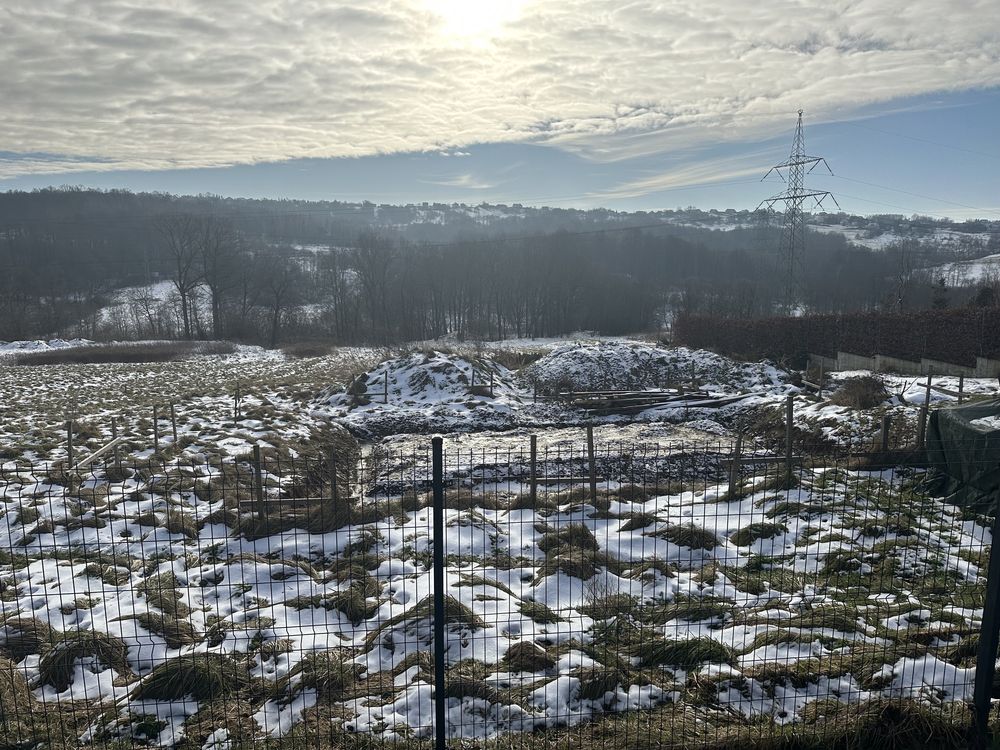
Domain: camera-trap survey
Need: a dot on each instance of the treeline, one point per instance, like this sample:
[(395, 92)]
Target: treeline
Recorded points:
[(119, 265)]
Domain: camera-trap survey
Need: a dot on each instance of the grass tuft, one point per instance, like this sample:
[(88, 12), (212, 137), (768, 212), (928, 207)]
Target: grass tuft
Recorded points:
[(58, 660), (690, 535), (201, 676), (526, 656)]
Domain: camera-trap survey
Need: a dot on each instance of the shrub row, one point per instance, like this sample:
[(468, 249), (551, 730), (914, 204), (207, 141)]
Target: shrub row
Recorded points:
[(956, 336)]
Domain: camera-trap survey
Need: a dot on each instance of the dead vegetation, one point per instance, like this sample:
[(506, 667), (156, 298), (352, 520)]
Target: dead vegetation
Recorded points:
[(864, 392)]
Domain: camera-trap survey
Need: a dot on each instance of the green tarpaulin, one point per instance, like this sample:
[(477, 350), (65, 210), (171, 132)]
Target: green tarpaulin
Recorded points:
[(963, 445)]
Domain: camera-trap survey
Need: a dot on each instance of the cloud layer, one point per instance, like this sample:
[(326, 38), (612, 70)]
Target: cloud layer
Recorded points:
[(152, 84)]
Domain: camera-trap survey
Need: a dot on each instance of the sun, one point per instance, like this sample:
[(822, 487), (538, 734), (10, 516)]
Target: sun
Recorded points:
[(474, 21)]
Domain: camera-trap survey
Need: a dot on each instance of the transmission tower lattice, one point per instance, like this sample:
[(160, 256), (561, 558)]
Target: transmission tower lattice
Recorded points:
[(793, 230)]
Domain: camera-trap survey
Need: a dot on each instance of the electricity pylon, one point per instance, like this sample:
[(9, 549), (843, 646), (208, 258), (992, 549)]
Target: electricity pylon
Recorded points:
[(793, 229)]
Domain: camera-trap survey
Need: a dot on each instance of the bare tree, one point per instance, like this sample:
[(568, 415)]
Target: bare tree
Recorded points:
[(217, 252), (371, 258), (181, 233)]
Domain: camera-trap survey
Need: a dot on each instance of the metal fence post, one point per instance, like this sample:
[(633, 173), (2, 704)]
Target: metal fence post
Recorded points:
[(533, 478), (988, 638), (789, 417), (437, 483)]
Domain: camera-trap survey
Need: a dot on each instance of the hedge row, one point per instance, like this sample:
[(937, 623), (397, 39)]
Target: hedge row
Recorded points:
[(956, 336)]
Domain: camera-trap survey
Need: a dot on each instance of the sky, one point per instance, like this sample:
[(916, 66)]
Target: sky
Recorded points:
[(573, 103)]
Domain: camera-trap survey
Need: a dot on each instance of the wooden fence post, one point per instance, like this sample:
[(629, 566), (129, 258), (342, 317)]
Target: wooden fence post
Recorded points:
[(735, 468), (332, 466), (114, 436), (69, 444), (173, 422), (922, 427), (927, 391), (592, 464), (258, 482), (385, 388), (533, 476), (961, 388), (886, 426), (820, 383), (491, 383), (236, 403), (156, 429)]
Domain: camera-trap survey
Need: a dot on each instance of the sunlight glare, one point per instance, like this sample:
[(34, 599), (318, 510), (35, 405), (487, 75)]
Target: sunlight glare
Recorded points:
[(474, 20)]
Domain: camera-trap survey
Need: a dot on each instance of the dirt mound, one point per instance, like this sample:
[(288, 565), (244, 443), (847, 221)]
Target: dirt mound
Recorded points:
[(609, 365), (429, 390)]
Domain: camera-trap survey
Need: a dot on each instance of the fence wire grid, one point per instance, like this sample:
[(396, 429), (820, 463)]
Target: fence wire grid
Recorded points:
[(681, 596)]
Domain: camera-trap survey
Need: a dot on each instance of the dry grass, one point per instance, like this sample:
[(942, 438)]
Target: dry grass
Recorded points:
[(304, 349), (137, 353), (865, 392), (58, 660), (526, 656), (201, 676)]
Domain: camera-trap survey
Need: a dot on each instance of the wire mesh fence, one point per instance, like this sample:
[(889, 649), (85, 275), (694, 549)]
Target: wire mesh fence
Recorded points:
[(681, 595)]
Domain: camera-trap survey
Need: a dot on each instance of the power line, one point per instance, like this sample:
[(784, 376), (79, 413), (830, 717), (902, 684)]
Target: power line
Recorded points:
[(915, 195), (951, 146)]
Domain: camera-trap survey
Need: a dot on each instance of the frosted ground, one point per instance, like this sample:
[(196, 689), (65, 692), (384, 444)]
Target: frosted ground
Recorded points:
[(125, 597)]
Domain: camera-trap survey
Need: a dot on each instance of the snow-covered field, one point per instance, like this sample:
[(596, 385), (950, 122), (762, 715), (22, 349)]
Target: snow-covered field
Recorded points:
[(165, 611)]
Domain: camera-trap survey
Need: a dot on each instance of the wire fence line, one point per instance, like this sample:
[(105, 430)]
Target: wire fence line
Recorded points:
[(684, 594)]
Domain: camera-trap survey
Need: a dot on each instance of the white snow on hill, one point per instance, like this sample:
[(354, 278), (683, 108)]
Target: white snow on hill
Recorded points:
[(966, 272)]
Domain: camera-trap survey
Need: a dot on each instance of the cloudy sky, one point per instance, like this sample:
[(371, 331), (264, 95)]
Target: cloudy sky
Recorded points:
[(561, 102)]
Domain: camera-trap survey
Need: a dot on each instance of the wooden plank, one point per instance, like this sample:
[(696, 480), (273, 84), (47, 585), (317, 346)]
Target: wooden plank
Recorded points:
[(744, 459), (253, 502), (97, 454), (948, 391)]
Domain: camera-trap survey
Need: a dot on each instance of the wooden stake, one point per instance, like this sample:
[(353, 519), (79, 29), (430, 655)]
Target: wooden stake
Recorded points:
[(961, 388), (592, 464), (114, 436), (927, 391), (820, 383), (886, 426), (735, 468), (69, 444), (173, 421), (258, 482), (533, 472), (922, 427), (331, 463), (156, 429), (385, 388), (236, 403), (491, 383)]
